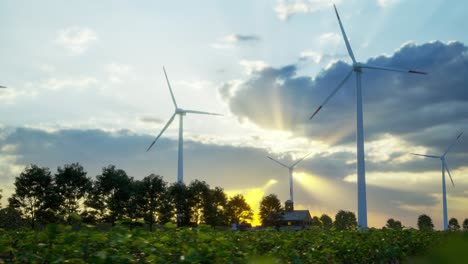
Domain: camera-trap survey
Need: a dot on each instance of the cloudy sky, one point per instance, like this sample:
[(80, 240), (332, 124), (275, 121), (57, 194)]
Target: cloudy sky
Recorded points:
[(85, 84)]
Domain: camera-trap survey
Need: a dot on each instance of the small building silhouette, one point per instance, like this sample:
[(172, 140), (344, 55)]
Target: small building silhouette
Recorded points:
[(290, 218)]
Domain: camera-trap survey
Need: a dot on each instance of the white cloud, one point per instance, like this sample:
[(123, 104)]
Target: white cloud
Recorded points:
[(196, 85), (252, 66), (76, 39), (286, 8), (80, 82), (311, 55), (329, 38), (387, 3), (117, 72), (229, 41)]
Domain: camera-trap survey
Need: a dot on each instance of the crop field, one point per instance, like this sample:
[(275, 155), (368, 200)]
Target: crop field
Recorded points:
[(57, 244)]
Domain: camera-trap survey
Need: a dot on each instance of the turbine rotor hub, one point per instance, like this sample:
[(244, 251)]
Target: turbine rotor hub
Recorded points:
[(357, 67)]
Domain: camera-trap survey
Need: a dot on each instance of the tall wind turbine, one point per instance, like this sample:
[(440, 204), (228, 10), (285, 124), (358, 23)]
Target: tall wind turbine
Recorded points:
[(357, 68), (291, 169), (444, 168), (181, 112)]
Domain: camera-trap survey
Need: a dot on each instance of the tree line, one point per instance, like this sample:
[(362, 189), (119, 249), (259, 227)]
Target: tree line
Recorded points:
[(70, 196), (41, 197)]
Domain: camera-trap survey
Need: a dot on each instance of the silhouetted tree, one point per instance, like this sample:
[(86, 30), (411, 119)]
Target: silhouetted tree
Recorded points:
[(238, 210), (465, 224), (345, 220), (10, 218), (34, 197), (199, 192), (111, 193), (1, 198), (453, 224), (270, 210), (71, 185), (179, 198), (316, 222), (215, 208), (394, 224), (153, 191), (327, 222), (425, 223)]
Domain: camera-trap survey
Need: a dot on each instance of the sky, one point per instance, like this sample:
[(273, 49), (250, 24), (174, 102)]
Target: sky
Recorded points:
[(86, 84)]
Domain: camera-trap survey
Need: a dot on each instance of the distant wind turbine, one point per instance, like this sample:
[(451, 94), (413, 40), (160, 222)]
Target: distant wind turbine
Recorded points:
[(291, 169), (444, 168), (181, 112), (357, 68)]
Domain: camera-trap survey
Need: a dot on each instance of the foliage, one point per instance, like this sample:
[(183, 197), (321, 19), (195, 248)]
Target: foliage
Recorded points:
[(465, 224), (111, 194), (326, 221), (34, 197), (316, 222), (393, 224), (71, 185), (60, 244), (345, 220), (238, 210), (453, 224), (270, 208), (10, 218), (425, 223), (153, 197)]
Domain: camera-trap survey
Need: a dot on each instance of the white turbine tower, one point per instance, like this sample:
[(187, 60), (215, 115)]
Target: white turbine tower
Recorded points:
[(291, 170), (357, 68), (444, 168), (181, 112)]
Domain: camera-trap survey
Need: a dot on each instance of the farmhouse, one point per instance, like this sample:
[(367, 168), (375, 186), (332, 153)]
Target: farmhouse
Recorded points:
[(290, 218)]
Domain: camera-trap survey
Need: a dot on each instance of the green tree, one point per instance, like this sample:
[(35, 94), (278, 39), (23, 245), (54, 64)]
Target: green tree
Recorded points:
[(453, 224), (465, 224), (111, 194), (72, 185), (393, 224), (425, 223), (34, 195), (238, 210), (326, 221), (345, 220), (316, 222), (270, 210), (215, 208), (1, 198), (153, 191)]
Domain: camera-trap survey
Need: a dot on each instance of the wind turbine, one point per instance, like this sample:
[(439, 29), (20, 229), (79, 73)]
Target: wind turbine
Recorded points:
[(181, 112), (291, 169), (357, 68), (444, 168)]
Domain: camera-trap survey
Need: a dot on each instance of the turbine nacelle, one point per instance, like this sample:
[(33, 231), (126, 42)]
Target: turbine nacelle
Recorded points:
[(180, 111)]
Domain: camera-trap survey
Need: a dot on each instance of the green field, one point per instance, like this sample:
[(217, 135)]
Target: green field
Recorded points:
[(57, 244)]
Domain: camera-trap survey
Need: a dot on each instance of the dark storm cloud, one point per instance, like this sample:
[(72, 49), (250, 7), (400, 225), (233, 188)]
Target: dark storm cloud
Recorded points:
[(415, 107)]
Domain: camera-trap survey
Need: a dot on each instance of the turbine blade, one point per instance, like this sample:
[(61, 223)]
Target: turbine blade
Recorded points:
[(200, 112), (427, 156), (301, 159), (348, 46), (450, 175), (162, 131), (282, 164), (391, 69), (170, 89), (331, 95), (453, 144)]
